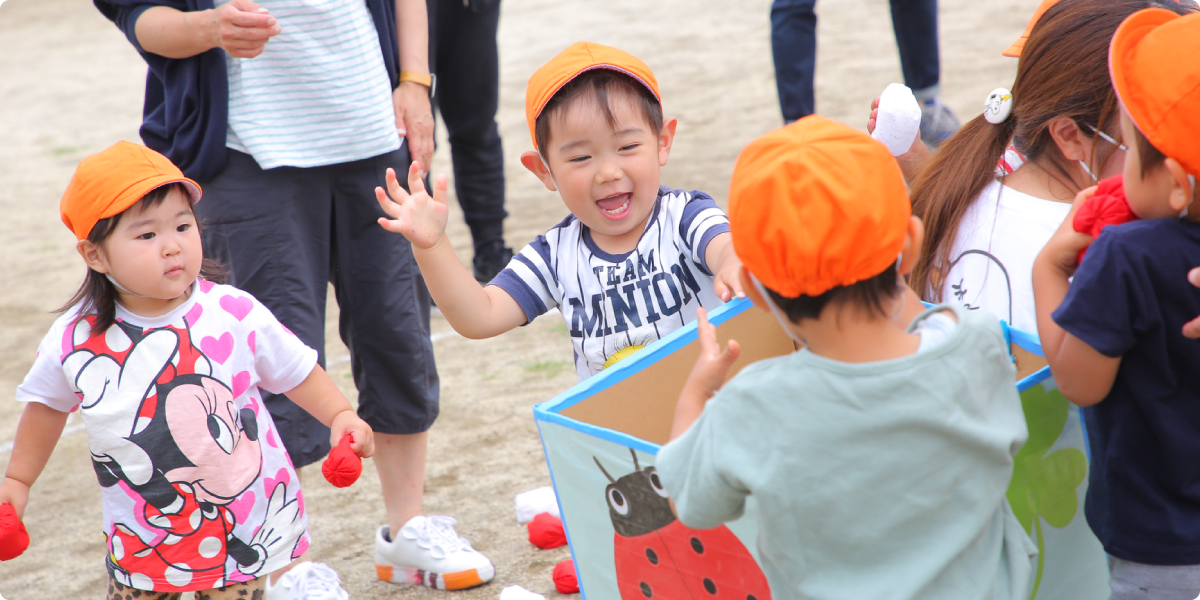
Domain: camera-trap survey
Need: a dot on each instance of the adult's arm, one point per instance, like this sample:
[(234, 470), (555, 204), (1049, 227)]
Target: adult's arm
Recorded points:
[(414, 114), (241, 28)]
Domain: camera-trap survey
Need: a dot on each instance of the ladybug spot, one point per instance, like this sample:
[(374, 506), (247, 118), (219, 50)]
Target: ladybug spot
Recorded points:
[(652, 556), (709, 586), (646, 590), (697, 546), (751, 597)]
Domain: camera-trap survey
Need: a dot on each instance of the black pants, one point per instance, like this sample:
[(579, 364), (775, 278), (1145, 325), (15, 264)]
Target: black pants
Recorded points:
[(463, 53), (794, 47), (285, 234)]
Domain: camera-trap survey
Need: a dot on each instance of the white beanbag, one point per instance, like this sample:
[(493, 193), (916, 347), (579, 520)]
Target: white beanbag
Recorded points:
[(899, 119)]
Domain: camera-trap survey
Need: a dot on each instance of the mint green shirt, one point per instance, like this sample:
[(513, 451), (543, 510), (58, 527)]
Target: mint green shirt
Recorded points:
[(880, 480)]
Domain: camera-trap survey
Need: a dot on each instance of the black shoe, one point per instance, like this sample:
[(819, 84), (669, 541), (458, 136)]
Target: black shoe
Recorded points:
[(490, 260)]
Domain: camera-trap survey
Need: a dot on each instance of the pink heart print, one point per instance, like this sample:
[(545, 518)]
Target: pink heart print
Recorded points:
[(206, 286), (217, 349), (250, 341), (238, 307), (194, 315), (241, 382), (242, 506)]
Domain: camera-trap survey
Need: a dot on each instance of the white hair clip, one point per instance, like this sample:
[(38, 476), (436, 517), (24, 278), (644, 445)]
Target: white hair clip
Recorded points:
[(997, 106)]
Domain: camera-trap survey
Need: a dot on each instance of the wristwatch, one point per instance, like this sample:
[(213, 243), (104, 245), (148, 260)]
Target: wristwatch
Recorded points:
[(428, 80)]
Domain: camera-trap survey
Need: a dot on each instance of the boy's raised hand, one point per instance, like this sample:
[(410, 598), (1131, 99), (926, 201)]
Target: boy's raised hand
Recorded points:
[(708, 374), (415, 215)]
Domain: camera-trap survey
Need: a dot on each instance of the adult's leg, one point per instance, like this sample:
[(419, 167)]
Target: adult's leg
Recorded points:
[(270, 229), (385, 322), (915, 24), (467, 96), (794, 48)]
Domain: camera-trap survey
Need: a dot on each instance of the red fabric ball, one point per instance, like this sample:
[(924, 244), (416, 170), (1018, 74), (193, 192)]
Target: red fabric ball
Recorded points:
[(546, 531), (343, 466), (13, 537), (565, 580), (1108, 206)]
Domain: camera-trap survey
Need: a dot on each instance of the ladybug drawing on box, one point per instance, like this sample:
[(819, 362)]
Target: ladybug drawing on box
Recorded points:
[(658, 557)]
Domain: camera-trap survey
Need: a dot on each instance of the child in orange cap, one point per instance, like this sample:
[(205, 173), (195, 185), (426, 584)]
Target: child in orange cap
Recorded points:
[(1114, 334), (879, 454), (165, 369), (633, 261)]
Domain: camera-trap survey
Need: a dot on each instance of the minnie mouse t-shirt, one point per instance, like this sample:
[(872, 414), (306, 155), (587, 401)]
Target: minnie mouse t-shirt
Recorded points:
[(198, 491)]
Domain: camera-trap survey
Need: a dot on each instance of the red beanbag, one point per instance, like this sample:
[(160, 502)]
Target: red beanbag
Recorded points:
[(564, 578), (14, 539), (343, 466), (546, 531), (1107, 207)]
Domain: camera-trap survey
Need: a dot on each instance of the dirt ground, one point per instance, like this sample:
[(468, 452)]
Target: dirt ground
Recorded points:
[(71, 85)]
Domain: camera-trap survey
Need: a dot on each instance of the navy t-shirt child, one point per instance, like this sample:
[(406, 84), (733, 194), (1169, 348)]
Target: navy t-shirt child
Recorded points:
[(1130, 299)]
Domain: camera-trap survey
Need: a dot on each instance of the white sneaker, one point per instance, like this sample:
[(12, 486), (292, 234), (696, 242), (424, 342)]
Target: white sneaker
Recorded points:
[(307, 581), (429, 552)]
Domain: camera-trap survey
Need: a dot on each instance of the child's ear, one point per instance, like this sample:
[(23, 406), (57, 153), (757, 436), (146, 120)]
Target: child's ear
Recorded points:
[(93, 255), (666, 137), (751, 290), (912, 245), (533, 161), (1182, 191)]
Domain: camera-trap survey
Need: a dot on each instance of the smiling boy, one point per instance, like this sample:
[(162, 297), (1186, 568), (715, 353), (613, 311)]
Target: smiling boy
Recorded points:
[(632, 262)]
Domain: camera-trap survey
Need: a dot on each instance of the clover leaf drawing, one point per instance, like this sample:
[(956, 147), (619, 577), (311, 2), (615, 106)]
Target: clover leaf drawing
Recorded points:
[(1044, 485)]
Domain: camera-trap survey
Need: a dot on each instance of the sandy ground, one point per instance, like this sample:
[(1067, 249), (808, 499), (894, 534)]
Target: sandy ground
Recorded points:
[(70, 85)]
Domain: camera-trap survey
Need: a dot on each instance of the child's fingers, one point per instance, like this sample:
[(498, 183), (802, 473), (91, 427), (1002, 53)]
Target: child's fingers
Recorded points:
[(874, 105), (397, 193), (706, 334), (731, 353), (415, 184), (439, 189), (1194, 276)]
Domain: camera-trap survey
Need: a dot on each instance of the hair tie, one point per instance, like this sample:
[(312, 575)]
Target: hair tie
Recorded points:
[(998, 106)]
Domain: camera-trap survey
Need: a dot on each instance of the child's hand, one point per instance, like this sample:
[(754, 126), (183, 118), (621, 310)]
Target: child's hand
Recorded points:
[(416, 216), (1191, 329), (348, 422), (726, 283), (713, 364), (1061, 253), (15, 493)]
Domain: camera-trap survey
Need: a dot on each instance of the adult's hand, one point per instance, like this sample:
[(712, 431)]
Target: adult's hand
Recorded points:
[(242, 28), (414, 121), (1192, 328)]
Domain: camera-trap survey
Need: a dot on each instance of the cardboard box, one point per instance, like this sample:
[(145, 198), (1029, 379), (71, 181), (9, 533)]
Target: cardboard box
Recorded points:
[(601, 437)]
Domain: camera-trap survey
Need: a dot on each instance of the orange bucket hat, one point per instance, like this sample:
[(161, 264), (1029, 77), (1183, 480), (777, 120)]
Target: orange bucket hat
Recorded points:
[(110, 181), (1157, 84), (1014, 50), (816, 205), (578, 58)]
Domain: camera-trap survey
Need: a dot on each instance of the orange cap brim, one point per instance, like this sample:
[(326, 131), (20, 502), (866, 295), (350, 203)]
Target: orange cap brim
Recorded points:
[(1014, 50)]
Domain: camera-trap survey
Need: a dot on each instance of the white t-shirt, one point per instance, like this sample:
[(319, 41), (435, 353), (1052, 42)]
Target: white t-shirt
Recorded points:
[(198, 491), (611, 302), (318, 94), (992, 257)]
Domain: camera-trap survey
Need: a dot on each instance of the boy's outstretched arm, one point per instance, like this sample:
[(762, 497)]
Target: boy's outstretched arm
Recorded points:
[(37, 434), (724, 264), (321, 398), (474, 311), (708, 375), (1084, 375)]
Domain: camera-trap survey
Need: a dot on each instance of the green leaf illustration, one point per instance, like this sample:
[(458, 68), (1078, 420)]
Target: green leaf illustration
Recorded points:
[(1043, 485)]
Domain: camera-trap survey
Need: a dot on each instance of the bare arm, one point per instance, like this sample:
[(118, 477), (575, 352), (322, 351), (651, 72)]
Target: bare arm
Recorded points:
[(414, 115), (37, 434), (321, 398), (240, 27), (1084, 375), (474, 311), (724, 264)]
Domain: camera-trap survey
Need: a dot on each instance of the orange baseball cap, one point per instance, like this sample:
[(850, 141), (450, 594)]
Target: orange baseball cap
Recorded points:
[(816, 205), (1157, 86), (580, 57), (110, 181), (1014, 50)]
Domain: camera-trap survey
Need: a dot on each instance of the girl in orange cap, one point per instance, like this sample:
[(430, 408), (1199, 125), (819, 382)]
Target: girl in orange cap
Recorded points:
[(167, 370), (1114, 334)]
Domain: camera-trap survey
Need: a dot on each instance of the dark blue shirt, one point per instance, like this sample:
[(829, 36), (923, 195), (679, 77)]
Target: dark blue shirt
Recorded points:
[(186, 109), (1130, 299)]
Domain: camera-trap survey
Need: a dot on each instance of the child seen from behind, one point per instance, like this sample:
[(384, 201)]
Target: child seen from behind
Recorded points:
[(634, 260), (165, 369), (1114, 333), (879, 454)]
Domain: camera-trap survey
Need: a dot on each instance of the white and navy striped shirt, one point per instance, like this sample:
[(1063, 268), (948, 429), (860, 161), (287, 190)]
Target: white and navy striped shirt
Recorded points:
[(318, 94), (611, 302)]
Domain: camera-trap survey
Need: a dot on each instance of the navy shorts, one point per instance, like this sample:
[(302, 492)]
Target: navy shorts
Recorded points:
[(284, 234)]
